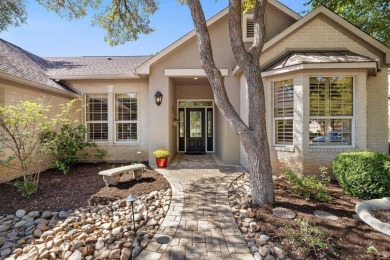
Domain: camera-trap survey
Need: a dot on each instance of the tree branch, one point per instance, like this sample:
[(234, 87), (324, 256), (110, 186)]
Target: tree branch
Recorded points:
[(212, 72)]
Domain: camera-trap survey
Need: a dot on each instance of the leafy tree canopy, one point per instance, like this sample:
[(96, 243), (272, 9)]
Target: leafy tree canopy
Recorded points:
[(123, 20), (372, 16), (12, 13)]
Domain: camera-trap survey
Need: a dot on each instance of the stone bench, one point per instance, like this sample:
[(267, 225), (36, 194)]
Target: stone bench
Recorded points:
[(112, 176)]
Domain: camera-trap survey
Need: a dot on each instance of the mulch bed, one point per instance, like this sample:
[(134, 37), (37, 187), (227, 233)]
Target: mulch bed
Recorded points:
[(351, 237), (82, 186), (382, 214)]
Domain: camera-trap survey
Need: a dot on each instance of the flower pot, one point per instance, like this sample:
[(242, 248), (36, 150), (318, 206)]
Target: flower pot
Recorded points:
[(161, 162)]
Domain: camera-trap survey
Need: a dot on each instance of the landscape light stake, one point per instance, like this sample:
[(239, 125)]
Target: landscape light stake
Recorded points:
[(131, 198)]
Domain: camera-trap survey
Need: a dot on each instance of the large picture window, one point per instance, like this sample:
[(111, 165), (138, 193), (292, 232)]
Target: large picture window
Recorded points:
[(284, 112), (331, 111), (126, 117), (97, 118)]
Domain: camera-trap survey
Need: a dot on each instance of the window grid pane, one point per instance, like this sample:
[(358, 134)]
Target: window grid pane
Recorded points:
[(283, 102), (126, 132), (97, 131), (284, 132), (331, 111), (96, 117), (126, 116)]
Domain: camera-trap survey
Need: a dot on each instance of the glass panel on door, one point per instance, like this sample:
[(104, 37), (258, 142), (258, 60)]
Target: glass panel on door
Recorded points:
[(195, 124)]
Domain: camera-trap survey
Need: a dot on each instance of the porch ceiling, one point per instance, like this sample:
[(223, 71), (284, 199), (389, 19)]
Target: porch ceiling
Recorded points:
[(190, 81)]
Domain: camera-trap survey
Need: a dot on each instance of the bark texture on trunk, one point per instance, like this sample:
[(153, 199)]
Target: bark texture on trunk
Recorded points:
[(254, 135)]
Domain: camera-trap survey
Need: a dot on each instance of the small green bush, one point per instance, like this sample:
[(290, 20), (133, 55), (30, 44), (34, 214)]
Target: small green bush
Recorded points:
[(310, 187), (365, 175), (27, 186), (65, 144)]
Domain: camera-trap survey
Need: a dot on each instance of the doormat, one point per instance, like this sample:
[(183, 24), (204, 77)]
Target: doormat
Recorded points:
[(194, 153)]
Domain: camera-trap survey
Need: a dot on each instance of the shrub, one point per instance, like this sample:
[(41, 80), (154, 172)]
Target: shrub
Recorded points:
[(365, 175), (161, 153), (310, 187), (308, 238), (65, 144), (20, 127)]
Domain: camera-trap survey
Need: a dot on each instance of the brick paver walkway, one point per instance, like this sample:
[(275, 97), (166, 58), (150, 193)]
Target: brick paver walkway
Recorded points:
[(199, 223)]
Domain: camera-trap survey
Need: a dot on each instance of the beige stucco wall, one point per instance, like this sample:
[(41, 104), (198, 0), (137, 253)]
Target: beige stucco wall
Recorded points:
[(12, 93), (370, 98), (120, 152), (186, 56)]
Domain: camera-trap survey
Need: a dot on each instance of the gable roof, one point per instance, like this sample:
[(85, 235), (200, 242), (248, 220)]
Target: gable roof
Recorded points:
[(339, 20), (94, 67), (293, 58), (21, 64), (144, 69)]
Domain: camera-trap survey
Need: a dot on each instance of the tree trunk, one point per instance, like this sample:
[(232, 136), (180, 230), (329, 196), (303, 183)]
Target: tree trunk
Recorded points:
[(254, 135)]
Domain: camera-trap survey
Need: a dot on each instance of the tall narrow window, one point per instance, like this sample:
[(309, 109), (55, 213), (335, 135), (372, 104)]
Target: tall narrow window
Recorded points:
[(331, 111), (126, 117), (284, 112), (97, 118)]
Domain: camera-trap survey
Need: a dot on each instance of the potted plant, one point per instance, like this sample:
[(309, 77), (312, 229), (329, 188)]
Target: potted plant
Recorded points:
[(162, 156)]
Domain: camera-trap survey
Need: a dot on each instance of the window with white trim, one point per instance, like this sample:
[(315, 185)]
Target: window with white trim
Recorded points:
[(331, 111), (97, 118), (283, 92), (126, 118)]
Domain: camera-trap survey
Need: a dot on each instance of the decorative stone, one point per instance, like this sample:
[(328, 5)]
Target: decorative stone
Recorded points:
[(325, 215), (76, 255), (46, 214), (264, 251), (20, 224), (253, 227), (126, 253), (115, 254), (257, 256), (63, 214), (283, 213), (20, 213)]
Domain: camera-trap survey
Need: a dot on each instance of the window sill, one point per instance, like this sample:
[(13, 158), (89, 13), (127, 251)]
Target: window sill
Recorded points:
[(290, 149)]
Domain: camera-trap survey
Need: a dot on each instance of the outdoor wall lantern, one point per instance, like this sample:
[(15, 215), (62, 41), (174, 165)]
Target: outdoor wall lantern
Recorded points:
[(131, 198), (158, 97)]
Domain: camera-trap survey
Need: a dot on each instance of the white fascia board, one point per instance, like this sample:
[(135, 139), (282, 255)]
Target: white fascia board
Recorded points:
[(344, 23), (30, 83), (191, 72), (357, 65), (98, 76)]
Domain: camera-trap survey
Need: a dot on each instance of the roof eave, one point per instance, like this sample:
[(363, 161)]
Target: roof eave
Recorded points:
[(34, 84), (372, 66), (92, 76)]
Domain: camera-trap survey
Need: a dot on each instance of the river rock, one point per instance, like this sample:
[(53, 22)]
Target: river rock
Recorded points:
[(20, 213)]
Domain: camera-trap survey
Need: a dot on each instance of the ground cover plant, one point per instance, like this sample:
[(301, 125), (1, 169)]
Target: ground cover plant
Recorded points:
[(310, 186)]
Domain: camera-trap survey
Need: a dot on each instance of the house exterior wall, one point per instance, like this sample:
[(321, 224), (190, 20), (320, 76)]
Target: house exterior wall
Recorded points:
[(370, 99), (119, 152), (186, 56), (12, 93)]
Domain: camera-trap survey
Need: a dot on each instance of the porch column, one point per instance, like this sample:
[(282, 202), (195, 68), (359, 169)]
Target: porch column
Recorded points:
[(160, 117)]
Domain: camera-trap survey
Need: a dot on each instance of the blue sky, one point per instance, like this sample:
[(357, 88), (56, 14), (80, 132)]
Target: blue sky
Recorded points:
[(48, 35)]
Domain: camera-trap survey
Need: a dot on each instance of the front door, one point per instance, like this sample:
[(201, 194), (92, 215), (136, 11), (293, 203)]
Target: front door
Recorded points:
[(195, 130)]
